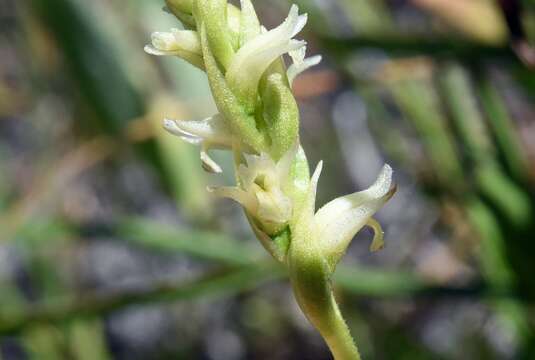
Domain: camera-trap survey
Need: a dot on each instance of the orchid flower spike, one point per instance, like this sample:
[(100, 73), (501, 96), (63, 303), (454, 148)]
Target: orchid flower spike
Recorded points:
[(258, 120)]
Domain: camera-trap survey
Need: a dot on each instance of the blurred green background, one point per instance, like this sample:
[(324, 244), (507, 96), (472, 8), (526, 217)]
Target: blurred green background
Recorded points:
[(110, 248)]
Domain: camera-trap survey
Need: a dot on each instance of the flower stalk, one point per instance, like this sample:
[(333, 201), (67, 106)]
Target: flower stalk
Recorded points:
[(258, 121)]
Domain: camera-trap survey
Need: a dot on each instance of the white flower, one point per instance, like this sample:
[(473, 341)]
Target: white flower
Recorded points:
[(185, 44), (256, 55), (210, 133), (260, 190), (334, 225), (300, 64)]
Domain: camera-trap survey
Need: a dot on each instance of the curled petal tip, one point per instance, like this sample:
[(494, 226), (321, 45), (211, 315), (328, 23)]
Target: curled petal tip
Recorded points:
[(378, 242), (148, 49), (301, 22), (300, 64), (151, 50), (392, 191), (316, 59), (377, 246), (172, 127), (386, 171)]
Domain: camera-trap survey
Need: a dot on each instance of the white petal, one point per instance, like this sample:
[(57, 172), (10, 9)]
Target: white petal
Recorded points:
[(275, 36), (172, 127), (246, 80), (247, 176), (298, 67), (298, 55), (207, 163), (191, 139), (339, 220), (255, 56), (284, 165), (260, 162), (273, 206), (315, 178), (182, 43), (301, 22), (209, 133), (149, 49), (188, 40), (312, 189), (213, 130), (250, 26), (244, 199), (257, 165), (164, 41)]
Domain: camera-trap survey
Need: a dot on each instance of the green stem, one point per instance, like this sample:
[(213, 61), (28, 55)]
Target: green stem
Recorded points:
[(314, 294)]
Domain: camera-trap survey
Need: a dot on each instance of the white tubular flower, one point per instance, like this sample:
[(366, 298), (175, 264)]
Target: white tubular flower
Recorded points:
[(300, 64), (254, 57), (185, 44), (261, 190), (210, 133), (337, 222)]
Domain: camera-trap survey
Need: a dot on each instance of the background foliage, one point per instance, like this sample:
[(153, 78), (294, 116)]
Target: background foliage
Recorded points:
[(111, 249)]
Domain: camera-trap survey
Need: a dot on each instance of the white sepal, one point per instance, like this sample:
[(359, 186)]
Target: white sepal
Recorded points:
[(188, 40), (300, 63), (245, 199), (182, 43), (210, 133), (253, 58), (338, 221)]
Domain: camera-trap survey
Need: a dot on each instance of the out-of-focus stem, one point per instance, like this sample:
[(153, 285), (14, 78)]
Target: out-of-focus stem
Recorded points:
[(477, 19)]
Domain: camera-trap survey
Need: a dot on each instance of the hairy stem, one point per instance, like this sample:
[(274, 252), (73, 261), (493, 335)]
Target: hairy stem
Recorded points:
[(313, 291)]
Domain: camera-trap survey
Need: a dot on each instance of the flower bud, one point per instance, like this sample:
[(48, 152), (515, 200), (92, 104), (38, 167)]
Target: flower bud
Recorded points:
[(182, 43)]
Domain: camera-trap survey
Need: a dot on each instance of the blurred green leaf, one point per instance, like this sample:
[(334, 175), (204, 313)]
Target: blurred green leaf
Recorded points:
[(92, 64), (419, 102), (367, 17), (503, 128), (214, 285), (204, 245), (468, 120), (44, 342), (361, 281), (87, 339)]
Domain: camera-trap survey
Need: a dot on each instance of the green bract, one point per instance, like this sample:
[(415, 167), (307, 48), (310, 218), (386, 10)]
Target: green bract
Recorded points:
[(258, 121)]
